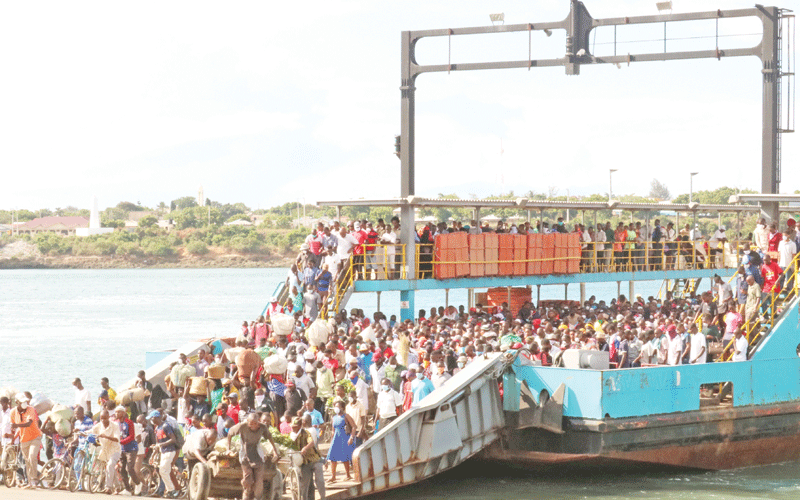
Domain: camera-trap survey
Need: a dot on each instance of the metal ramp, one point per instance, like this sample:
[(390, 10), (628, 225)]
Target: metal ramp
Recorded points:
[(450, 425), (683, 287)]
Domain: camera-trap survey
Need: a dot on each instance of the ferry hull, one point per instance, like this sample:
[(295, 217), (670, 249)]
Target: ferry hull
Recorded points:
[(708, 439)]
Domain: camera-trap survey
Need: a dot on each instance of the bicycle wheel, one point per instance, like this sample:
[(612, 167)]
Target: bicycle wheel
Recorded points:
[(78, 462), (94, 476), (292, 483), (150, 480), (10, 472), (52, 474), (73, 482), (183, 481)]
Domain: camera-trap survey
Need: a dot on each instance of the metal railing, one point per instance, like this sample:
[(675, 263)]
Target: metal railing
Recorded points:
[(762, 321), (380, 262), (621, 257), (344, 280)]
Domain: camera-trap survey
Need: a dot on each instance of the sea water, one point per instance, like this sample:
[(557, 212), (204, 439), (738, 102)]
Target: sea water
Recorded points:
[(56, 325)]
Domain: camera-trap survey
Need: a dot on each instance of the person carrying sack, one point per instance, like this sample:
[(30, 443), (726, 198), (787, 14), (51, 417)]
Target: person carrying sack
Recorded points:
[(312, 460)]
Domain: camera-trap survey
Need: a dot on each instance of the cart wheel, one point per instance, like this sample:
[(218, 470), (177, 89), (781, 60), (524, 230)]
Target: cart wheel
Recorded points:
[(199, 482), (292, 483)]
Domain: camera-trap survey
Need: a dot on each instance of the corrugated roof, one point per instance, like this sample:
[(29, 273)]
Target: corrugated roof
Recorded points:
[(45, 222), (528, 204)]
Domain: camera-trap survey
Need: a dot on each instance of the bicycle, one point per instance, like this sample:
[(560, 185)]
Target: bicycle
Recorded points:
[(14, 471), (57, 469), (292, 479), (94, 469), (78, 461), (52, 474)]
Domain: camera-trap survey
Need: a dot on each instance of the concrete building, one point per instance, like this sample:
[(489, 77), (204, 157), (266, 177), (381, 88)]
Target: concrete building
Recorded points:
[(65, 226)]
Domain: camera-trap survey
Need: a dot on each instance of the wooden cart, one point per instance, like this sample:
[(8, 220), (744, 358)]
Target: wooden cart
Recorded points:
[(222, 478)]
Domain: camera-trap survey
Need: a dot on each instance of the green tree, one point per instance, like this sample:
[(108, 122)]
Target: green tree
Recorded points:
[(184, 218), (148, 221), (659, 191), (129, 207), (113, 213), (23, 215), (184, 202), (116, 223), (197, 247), (236, 217)]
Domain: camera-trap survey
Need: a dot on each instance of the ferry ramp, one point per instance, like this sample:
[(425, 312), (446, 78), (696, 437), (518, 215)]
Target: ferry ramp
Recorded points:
[(447, 427)]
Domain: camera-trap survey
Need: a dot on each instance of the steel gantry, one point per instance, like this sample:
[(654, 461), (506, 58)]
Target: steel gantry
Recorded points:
[(578, 25)]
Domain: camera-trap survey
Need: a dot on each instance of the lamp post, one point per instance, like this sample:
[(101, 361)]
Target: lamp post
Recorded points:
[(691, 191), (610, 171)]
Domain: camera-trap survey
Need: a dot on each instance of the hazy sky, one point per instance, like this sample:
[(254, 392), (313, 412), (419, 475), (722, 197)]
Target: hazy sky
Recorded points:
[(271, 102)]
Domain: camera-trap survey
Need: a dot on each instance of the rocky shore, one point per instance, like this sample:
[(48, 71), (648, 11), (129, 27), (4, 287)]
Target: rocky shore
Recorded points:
[(22, 255)]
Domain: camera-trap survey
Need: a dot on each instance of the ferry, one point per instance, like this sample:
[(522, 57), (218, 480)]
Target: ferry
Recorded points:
[(718, 415)]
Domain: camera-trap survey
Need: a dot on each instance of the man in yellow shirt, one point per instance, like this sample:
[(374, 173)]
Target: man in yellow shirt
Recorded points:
[(107, 394)]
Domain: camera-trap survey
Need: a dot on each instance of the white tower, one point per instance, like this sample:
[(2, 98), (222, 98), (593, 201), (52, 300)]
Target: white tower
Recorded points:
[(94, 215), (201, 200)]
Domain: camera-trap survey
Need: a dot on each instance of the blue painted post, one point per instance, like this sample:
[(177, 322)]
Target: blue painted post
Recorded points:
[(406, 305)]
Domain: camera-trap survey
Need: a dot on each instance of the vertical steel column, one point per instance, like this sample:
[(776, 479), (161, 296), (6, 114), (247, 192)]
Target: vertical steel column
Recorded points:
[(407, 170), (770, 69)]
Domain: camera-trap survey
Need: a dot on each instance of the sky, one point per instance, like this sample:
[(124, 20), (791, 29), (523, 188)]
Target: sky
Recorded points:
[(267, 103)]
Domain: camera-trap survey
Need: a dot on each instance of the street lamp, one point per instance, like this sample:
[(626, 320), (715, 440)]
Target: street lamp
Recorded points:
[(691, 191), (610, 171)]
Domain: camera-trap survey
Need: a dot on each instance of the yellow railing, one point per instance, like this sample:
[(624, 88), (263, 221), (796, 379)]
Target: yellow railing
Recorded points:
[(758, 323), (344, 279), (380, 262), (649, 256), (611, 259)]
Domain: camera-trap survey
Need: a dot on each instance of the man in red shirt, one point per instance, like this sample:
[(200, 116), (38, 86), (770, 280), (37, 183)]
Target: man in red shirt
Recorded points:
[(358, 251), (371, 239), (770, 271)]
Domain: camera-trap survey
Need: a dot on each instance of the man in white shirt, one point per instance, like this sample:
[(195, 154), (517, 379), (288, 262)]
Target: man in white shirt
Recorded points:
[(675, 346), (345, 243), (5, 428), (108, 434), (440, 375), (786, 250), (390, 404), (361, 388), (600, 247), (697, 351), (82, 396), (695, 234), (377, 370), (740, 346), (304, 383)]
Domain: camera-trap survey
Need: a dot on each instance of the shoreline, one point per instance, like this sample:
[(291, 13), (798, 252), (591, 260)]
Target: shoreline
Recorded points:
[(24, 255), (105, 262)]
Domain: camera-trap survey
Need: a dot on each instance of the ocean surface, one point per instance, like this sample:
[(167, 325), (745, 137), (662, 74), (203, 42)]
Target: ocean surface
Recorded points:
[(56, 325)]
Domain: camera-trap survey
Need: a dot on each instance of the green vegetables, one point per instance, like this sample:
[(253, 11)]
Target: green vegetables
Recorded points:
[(282, 440)]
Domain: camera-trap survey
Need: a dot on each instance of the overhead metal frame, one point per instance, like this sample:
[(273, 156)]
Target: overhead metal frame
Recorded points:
[(528, 204), (578, 24)]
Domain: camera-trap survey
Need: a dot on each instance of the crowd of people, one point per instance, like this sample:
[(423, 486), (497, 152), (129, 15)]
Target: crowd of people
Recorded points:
[(376, 251), (334, 393)]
